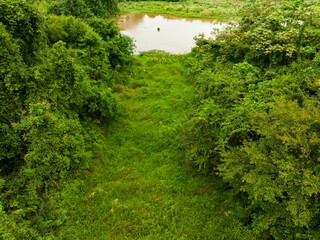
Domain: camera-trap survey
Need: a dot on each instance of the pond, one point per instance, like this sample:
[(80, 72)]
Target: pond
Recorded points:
[(165, 32)]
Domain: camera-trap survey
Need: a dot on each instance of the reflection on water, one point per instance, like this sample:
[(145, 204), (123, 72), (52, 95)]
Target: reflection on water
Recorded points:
[(165, 32)]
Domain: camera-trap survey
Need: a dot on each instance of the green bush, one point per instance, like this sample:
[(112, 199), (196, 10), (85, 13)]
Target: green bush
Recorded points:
[(101, 45), (55, 144), (269, 35), (219, 120), (84, 9), (56, 78), (102, 7), (72, 85), (9, 230), (23, 22), (255, 120), (60, 81), (118, 46), (280, 170), (12, 86)]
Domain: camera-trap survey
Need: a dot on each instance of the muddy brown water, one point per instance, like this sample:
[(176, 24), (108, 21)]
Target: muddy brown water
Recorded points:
[(165, 32)]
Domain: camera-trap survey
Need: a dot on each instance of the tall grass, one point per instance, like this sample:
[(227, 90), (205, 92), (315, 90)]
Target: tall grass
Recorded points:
[(140, 188)]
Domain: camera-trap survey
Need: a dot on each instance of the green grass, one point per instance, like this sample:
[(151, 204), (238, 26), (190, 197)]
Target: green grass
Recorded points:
[(215, 9), (141, 187)]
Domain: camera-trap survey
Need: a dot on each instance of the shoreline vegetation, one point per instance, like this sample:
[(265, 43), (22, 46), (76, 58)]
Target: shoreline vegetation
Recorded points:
[(218, 10)]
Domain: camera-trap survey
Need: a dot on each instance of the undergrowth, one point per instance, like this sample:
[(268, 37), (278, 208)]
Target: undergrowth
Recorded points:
[(140, 188)]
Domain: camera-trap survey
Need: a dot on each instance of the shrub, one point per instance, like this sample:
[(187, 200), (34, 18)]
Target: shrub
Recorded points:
[(55, 144), (56, 75), (269, 35), (12, 86), (85, 9), (118, 46), (255, 120), (280, 170), (23, 21)]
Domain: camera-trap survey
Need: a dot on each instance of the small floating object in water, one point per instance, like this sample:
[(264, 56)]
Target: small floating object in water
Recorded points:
[(158, 29)]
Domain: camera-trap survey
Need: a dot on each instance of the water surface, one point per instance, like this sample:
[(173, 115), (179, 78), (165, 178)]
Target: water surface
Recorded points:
[(165, 32)]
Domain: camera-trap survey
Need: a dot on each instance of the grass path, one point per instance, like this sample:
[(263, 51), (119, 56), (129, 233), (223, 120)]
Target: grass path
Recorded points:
[(141, 188)]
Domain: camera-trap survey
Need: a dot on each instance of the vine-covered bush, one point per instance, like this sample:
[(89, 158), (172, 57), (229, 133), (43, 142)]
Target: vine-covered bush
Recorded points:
[(255, 121), (23, 22), (84, 9), (269, 35), (280, 171), (54, 142), (12, 83), (118, 46), (56, 82)]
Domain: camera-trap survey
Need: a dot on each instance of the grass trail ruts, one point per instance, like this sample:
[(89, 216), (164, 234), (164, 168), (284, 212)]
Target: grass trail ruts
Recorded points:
[(141, 188)]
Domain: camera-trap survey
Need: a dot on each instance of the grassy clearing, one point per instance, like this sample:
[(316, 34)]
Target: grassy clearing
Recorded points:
[(220, 10), (141, 187)]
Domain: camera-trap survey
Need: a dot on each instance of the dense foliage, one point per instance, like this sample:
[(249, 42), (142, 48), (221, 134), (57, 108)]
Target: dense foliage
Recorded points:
[(147, 0), (84, 9), (56, 76), (255, 121)]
